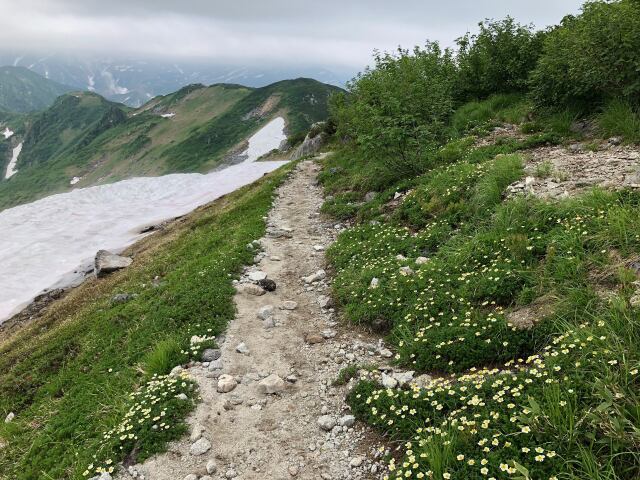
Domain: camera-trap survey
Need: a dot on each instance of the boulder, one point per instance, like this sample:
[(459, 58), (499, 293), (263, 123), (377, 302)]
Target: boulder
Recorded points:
[(253, 289), (211, 354), (312, 142), (107, 262), (200, 447), (265, 312), (326, 423), (226, 383), (272, 384), (315, 277), (267, 284), (347, 421), (325, 301), (257, 276)]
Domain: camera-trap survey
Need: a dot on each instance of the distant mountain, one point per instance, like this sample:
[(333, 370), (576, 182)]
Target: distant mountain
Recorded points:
[(90, 140), (135, 82), (22, 90)]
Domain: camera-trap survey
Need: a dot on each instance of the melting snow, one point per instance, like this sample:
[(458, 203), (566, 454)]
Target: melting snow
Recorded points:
[(45, 241), (7, 133), (168, 115), (11, 168)]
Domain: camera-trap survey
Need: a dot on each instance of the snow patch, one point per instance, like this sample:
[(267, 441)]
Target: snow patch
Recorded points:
[(11, 168), (168, 115), (7, 133), (266, 139), (75, 180), (43, 242)]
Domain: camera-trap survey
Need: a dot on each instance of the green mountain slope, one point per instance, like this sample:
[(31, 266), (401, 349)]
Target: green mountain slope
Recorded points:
[(302, 102), (192, 130), (22, 90)]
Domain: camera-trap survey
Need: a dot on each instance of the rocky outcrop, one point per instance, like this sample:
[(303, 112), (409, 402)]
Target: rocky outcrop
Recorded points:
[(107, 262), (312, 142)]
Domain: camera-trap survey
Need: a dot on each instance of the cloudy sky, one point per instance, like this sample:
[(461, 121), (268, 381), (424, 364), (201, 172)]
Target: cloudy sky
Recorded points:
[(322, 32)]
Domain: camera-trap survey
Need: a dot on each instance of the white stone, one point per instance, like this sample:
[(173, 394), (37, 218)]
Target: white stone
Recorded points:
[(191, 476), (328, 333), (386, 353), (289, 305), (375, 283), (318, 248), (226, 383), (253, 289), (9, 418), (326, 422), (347, 421), (325, 301), (257, 276), (242, 348), (403, 378), (314, 277), (212, 467), (406, 271), (266, 312), (200, 447), (356, 462), (388, 381), (272, 384)]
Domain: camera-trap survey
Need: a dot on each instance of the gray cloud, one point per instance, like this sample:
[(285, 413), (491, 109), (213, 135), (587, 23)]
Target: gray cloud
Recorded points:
[(286, 32)]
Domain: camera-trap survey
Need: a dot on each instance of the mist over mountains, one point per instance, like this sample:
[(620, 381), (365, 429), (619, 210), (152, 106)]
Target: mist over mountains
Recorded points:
[(134, 81)]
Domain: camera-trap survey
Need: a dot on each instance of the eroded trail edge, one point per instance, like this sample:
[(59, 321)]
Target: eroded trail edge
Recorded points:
[(269, 407)]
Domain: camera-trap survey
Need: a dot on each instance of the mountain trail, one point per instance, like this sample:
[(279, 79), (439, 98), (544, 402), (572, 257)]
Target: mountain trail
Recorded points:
[(281, 416)]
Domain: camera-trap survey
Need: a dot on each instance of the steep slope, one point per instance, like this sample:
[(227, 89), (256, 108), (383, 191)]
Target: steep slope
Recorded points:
[(22, 90), (84, 140), (302, 101)]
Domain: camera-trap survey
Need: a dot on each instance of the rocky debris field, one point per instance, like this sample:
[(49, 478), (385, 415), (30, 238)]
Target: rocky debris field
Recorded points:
[(558, 172), (270, 407)]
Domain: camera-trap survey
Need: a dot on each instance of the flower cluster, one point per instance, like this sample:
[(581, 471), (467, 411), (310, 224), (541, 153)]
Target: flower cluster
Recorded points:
[(154, 417)]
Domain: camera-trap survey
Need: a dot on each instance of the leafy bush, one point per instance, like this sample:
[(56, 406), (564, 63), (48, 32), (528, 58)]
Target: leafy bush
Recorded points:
[(498, 59), (591, 58), (396, 112)]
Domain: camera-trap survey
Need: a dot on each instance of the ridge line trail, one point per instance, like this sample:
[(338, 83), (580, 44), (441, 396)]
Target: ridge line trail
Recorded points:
[(257, 435)]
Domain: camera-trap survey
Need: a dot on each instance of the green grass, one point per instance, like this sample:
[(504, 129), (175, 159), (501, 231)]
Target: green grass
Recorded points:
[(566, 387), (69, 377), (619, 119), (502, 108)]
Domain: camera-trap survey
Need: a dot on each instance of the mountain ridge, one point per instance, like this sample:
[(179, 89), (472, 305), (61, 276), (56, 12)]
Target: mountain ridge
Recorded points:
[(88, 139), (23, 91)]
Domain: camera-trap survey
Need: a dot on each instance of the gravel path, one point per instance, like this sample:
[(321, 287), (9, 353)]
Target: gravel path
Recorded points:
[(280, 417)]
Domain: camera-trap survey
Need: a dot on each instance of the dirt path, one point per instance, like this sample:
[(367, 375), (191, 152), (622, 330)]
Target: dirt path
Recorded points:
[(297, 352)]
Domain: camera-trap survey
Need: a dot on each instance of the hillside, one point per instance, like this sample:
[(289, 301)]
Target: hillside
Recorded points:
[(450, 291), (22, 90), (192, 130)]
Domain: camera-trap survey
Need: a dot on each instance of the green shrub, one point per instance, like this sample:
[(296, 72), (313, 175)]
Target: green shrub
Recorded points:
[(498, 59), (396, 112), (591, 58)]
